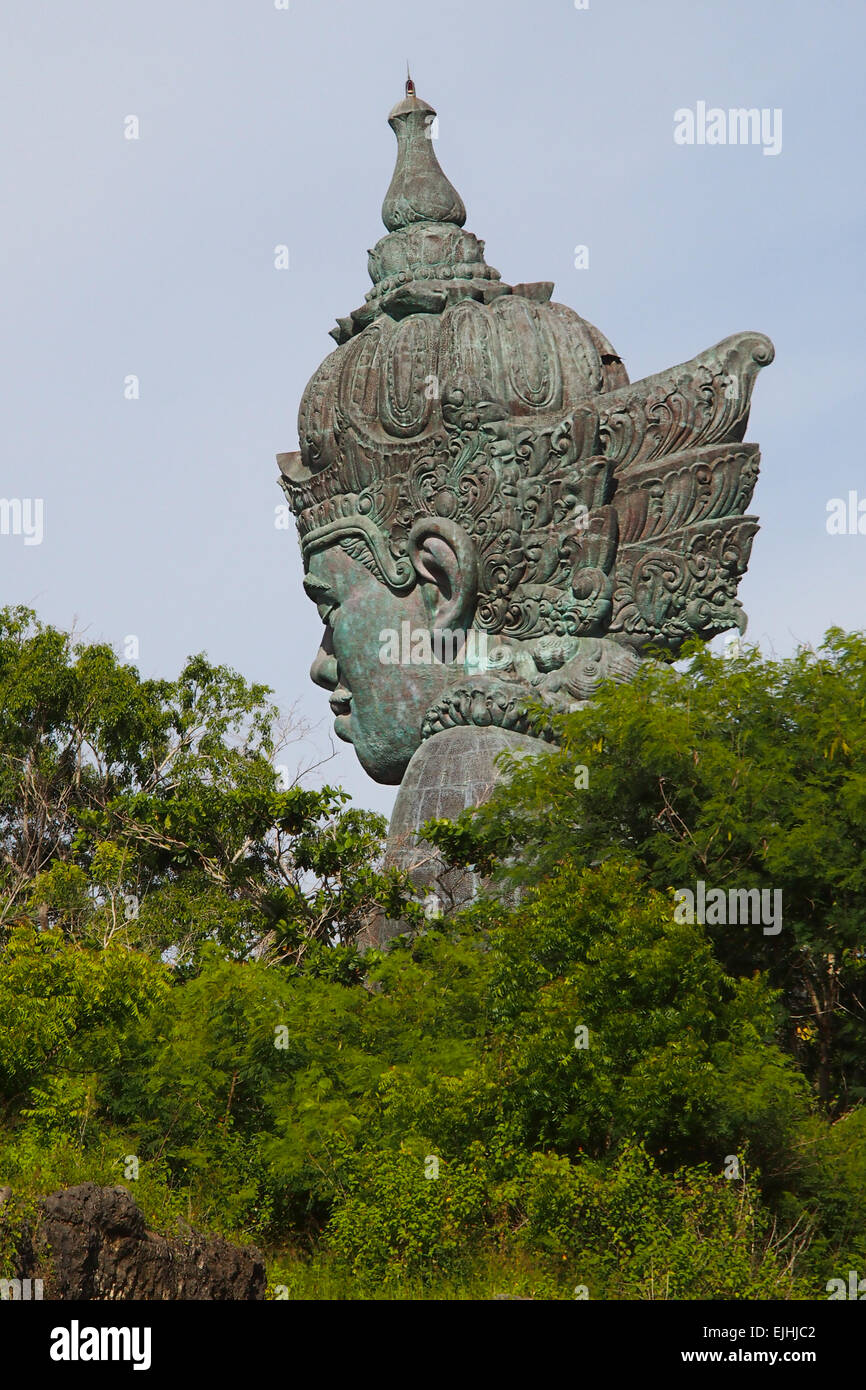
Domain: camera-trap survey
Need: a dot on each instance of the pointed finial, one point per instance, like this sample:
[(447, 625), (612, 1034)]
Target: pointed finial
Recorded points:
[(410, 85)]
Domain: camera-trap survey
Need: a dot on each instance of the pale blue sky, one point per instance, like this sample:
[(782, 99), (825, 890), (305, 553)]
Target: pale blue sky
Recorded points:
[(261, 126)]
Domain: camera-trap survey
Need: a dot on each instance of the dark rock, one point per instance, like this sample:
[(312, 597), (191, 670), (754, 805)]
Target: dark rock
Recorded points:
[(91, 1243)]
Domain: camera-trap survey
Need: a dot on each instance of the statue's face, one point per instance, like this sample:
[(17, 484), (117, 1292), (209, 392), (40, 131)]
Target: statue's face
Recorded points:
[(378, 706)]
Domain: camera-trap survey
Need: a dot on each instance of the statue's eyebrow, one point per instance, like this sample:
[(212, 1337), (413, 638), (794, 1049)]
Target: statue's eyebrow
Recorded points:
[(318, 590)]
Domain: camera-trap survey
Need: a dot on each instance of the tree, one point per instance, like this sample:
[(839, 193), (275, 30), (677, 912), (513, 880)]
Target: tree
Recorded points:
[(152, 809), (745, 774)]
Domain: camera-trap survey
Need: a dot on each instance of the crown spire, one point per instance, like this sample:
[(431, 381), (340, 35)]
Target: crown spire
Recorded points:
[(419, 191)]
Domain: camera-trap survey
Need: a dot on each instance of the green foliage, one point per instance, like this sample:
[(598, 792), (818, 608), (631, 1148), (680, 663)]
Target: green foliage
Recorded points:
[(676, 1052), (151, 811), (629, 1231), (391, 1221), (575, 1090), (64, 1012), (620, 1230), (743, 773)]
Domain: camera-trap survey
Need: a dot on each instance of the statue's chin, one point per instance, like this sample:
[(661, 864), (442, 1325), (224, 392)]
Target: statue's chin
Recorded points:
[(382, 762), (383, 770), (343, 727)]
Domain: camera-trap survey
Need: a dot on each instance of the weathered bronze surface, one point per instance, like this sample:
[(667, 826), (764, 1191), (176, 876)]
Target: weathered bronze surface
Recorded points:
[(474, 461)]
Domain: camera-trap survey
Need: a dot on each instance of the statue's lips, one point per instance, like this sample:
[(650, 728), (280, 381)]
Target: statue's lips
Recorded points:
[(341, 701)]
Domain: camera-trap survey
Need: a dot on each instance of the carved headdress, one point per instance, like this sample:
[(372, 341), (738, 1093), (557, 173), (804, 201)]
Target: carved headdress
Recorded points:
[(598, 508)]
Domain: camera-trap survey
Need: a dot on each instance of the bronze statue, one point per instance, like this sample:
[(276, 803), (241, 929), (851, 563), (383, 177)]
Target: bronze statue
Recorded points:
[(489, 511)]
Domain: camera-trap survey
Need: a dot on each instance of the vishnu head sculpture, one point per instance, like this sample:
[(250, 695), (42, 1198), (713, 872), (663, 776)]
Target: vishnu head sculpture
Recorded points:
[(474, 463)]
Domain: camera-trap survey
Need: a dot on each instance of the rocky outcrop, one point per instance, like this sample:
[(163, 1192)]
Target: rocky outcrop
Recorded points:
[(91, 1242)]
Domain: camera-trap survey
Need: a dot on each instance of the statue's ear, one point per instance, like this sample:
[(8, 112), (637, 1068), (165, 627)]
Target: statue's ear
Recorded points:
[(446, 562)]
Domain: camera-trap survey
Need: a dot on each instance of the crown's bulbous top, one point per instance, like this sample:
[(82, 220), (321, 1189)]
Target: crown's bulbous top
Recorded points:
[(419, 191), (427, 262), (437, 311)]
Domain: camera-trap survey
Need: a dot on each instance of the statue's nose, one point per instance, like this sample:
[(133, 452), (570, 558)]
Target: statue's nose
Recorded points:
[(324, 671)]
